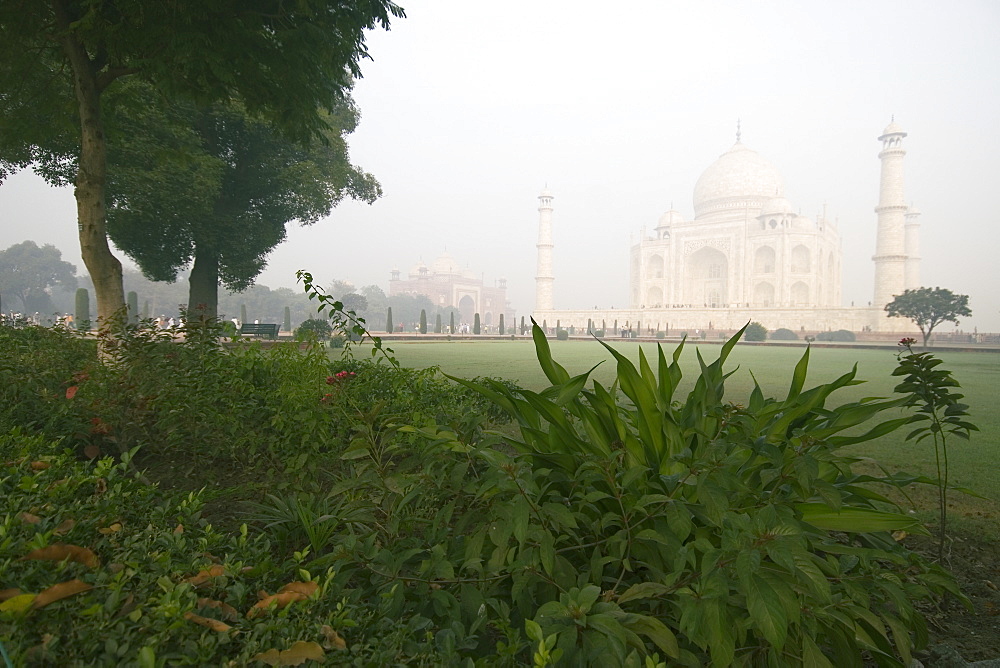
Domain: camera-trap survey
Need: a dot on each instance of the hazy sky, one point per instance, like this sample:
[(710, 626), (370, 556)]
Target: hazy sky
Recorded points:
[(470, 108)]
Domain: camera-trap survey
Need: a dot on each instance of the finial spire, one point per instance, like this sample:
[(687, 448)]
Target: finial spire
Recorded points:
[(738, 132)]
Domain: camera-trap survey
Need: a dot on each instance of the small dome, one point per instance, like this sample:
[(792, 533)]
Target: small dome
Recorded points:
[(802, 223), (445, 264), (546, 193), (893, 128), (776, 206), (739, 178), (418, 268), (670, 218)]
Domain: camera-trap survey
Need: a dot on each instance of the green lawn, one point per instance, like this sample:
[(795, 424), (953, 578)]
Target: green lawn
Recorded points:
[(974, 464)]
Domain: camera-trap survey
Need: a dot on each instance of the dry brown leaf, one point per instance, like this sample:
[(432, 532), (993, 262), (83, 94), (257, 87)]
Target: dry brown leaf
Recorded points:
[(279, 601), (206, 575), (333, 639), (228, 611), (71, 391), (9, 593), (92, 451), (64, 527), (101, 486), (39, 466), (58, 592), (295, 655), (117, 526), (29, 518), (179, 529), (64, 551), (305, 588), (116, 567), (898, 535), (208, 622)]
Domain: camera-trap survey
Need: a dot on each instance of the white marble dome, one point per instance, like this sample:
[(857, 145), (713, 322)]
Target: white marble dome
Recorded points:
[(740, 177), (670, 218)]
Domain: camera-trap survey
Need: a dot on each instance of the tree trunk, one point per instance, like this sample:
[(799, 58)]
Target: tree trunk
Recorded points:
[(91, 178), (203, 294)]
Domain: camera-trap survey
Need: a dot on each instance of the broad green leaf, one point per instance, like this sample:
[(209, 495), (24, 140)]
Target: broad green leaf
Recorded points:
[(644, 590), (766, 611), (858, 520), (657, 631)]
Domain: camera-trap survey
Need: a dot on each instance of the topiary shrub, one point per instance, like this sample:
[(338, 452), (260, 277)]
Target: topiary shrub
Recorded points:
[(755, 332), (783, 334), (316, 328), (842, 335), (661, 334), (562, 334)]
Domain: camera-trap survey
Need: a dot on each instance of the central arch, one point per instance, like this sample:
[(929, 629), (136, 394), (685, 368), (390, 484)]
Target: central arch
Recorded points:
[(467, 308), (706, 278)]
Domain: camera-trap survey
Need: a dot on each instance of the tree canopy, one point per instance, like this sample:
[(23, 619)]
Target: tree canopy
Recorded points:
[(28, 272), (928, 308), (220, 190), (287, 63)]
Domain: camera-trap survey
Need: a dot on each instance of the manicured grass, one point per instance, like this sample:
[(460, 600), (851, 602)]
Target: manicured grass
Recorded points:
[(974, 464)]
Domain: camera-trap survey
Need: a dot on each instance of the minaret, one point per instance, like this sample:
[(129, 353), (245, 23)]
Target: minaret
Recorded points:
[(912, 232), (890, 244), (544, 277)]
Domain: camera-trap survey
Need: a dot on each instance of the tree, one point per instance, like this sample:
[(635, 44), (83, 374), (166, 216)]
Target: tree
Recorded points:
[(132, 302), (451, 324), (423, 321), (243, 313), (437, 324), (352, 301), (82, 312), (29, 272), (245, 182), (62, 62), (503, 330), (388, 322), (755, 332), (928, 308), (286, 322), (476, 327)]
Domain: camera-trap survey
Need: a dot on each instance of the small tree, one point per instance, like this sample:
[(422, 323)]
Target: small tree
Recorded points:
[(287, 322), (437, 324), (133, 307), (502, 329), (317, 327), (145, 310), (423, 321), (452, 324), (476, 327), (928, 308), (243, 313), (388, 321), (755, 332), (522, 325), (82, 314)]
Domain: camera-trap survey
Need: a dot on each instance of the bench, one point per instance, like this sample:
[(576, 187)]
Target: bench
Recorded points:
[(269, 331)]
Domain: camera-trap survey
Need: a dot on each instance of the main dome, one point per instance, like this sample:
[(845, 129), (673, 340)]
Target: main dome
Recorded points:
[(739, 178)]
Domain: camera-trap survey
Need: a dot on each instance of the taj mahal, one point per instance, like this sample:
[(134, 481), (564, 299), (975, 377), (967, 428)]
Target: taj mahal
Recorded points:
[(747, 255)]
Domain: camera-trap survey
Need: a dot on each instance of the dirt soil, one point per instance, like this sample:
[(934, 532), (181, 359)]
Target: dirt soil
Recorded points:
[(974, 634)]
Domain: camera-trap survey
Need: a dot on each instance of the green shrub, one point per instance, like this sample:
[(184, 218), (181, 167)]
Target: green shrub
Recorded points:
[(660, 334), (755, 332), (314, 328), (842, 335), (562, 334), (150, 572), (709, 527), (783, 334)]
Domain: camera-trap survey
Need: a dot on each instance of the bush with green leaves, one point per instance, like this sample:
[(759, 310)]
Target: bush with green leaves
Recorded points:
[(755, 332), (783, 334), (842, 335), (709, 531), (101, 569), (562, 334), (317, 328)]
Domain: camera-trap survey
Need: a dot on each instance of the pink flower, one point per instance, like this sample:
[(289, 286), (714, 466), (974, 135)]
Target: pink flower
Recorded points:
[(907, 342)]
